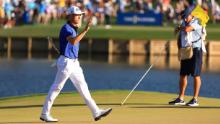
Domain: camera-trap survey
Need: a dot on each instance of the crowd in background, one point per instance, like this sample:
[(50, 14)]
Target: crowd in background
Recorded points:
[(18, 12)]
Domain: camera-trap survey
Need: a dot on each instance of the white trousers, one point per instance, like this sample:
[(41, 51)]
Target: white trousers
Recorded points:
[(69, 68)]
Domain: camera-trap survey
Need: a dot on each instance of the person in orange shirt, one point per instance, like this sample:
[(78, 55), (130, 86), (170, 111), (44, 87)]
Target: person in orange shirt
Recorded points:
[(61, 7), (2, 13)]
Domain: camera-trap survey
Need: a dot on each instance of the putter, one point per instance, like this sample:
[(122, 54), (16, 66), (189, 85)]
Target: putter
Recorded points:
[(55, 48), (53, 45), (144, 75)]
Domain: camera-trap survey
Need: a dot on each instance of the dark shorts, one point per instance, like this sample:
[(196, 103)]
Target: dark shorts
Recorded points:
[(192, 66)]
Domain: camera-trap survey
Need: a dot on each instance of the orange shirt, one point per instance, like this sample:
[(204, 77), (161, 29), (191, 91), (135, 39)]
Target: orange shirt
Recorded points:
[(2, 12), (62, 3), (167, 2)]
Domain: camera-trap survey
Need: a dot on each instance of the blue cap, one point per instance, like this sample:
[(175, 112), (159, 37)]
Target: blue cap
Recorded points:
[(74, 10), (188, 11)]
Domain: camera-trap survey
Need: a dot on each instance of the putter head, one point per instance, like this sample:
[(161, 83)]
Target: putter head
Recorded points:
[(121, 104)]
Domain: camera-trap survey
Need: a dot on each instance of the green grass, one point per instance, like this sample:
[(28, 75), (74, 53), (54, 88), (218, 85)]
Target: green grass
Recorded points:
[(116, 32), (141, 108)]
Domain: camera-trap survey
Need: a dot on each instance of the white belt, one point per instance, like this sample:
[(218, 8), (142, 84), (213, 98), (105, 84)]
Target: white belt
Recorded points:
[(74, 60)]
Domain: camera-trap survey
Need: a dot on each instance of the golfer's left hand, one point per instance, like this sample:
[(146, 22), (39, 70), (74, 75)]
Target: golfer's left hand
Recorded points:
[(89, 24)]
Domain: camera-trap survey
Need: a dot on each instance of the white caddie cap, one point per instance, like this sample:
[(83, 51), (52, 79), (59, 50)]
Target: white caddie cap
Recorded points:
[(74, 10)]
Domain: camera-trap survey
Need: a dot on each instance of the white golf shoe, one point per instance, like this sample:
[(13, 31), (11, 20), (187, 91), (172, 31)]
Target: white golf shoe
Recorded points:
[(102, 113), (48, 118)]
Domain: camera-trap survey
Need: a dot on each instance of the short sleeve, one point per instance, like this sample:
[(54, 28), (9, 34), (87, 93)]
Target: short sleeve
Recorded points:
[(69, 31)]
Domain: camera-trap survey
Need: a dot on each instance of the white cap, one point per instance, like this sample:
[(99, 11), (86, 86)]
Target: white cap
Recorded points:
[(74, 10)]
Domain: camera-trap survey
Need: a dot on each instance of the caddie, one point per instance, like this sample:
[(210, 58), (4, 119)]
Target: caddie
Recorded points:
[(190, 35)]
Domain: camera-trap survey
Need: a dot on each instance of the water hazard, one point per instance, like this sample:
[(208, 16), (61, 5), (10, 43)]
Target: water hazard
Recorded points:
[(22, 74)]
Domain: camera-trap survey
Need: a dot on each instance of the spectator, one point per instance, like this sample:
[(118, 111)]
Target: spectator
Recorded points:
[(51, 11), (30, 7), (139, 6), (89, 7), (2, 13), (70, 3), (215, 11), (122, 5), (9, 14), (99, 12), (21, 13), (168, 11), (61, 4), (159, 7), (108, 13), (43, 11), (179, 9), (148, 5), (41, 18)]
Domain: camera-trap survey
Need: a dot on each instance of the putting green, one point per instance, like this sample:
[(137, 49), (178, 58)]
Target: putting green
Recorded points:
[(141, 108)]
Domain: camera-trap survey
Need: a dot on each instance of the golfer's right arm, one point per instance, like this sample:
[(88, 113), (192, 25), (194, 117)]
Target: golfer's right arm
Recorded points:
[(78, 38)]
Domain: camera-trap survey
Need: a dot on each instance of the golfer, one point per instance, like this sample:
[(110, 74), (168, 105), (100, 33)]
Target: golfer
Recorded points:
[(190, 26), (68, 67)]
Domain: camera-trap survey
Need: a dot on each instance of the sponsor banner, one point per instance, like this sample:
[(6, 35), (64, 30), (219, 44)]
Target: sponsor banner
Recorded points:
[(150, 18)]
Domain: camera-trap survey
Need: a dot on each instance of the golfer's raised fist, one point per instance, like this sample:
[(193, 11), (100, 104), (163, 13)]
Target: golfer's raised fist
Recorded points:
[(89, 23)]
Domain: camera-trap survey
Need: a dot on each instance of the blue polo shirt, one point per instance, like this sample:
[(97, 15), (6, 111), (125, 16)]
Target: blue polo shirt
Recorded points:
[(66, 48)]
